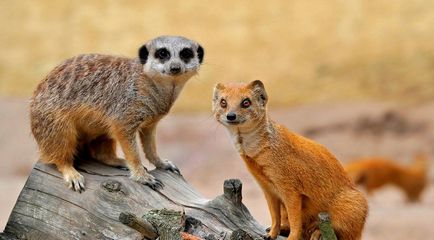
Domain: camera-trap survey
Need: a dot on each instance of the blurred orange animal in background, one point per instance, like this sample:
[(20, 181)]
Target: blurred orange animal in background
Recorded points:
[(376, 172)]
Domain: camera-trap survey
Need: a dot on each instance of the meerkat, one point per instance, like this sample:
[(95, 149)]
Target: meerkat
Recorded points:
[(90, 101), (299, 178), (376, 172)]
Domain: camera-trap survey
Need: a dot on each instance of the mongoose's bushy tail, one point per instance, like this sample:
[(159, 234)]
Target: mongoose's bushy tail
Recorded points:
[(348, 214)]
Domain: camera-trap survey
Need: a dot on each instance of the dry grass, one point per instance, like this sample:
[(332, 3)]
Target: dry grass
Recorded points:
[(305, 51)]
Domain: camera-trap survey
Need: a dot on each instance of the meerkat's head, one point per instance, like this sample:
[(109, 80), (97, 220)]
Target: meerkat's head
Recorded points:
[(240, 105), (171, 57)]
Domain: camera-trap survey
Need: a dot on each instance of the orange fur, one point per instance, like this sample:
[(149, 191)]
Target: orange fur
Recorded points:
[(376, 172), (298, 176), (187, 236)]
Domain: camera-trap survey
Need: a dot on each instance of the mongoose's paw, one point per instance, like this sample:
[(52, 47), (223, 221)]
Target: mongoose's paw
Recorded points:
[(284, 231), (167, 165), (74, 180), (147, 179), (272, 233), (268, 237), (316, 235)]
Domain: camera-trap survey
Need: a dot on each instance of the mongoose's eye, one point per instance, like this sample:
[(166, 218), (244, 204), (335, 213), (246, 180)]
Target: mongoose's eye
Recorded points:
[(246, 103), (223, 103), (186, 54), (162, 54)]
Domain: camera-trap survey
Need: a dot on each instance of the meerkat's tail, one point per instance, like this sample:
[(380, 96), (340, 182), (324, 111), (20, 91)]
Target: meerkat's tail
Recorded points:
[(58, 143), (56, 137)]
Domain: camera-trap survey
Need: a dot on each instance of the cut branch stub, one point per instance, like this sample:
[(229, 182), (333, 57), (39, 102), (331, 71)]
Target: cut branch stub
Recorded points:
[(141, 225), (232, 190), (325, 226), (169, 223)]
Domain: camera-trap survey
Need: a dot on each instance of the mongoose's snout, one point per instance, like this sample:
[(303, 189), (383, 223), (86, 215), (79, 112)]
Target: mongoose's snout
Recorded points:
[(231, 116)]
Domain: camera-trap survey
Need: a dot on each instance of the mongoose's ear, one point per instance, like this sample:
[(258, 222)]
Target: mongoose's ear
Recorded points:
[(217, 88), (259, 91), (200, 53), (143, 54)]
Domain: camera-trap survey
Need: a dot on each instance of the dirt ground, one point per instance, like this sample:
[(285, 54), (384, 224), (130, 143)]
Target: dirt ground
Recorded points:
[(203, 151)]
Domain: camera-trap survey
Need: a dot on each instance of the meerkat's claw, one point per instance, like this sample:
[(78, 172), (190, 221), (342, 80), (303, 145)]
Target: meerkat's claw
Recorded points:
[(75, 182), (155, 185), (123, 168), (168, 165), (147, 179)]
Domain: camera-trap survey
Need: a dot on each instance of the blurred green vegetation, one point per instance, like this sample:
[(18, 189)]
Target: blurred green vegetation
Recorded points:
[(305, 51)]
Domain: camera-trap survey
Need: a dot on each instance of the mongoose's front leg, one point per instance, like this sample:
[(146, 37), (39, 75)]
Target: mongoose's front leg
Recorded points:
[(284, 223), (147, 136), (138, 171), (293, 204), (274, 207)]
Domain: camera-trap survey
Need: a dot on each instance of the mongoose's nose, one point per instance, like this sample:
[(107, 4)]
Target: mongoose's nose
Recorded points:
[(231, 116), (175, 70)]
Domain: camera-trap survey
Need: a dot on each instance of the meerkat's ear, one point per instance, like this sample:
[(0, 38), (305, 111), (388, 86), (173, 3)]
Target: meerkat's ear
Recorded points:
[(259, 91), (200, 53), (217, 88), (143, 54)]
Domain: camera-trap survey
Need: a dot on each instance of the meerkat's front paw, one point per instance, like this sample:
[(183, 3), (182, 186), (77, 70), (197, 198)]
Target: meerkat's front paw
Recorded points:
[(167, 165), (74, 180), (143, 177)]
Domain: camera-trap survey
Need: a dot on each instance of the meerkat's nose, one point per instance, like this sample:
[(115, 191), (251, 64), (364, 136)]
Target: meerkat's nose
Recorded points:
[(231, 116), (175, 68)]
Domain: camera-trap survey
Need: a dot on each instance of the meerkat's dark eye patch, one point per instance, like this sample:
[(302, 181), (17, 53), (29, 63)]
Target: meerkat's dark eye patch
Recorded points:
[(246, 103), (143, 54), (162, 54), (186, 54), (200, 53)]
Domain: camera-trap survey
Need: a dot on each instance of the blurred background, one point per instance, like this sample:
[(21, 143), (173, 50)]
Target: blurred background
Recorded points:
[(335, 71)]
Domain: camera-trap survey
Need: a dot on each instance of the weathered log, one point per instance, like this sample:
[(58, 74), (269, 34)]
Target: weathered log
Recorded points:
[(47, 209), (115, 207)]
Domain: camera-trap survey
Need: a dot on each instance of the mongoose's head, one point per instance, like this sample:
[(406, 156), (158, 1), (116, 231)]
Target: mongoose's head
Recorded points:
[(240, 105), (171, 57)]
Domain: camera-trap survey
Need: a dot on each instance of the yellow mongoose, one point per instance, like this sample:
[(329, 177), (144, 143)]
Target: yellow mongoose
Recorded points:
[(375, 172), (89, 101), (299, 177)]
